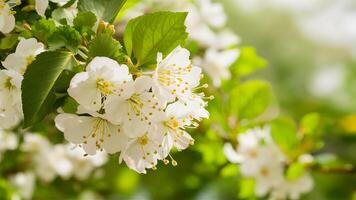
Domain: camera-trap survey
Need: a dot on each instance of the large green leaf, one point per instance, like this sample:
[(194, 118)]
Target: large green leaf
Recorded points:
[(128, 34), (104, 9), (152, 33), (284, 134), (250, 99), (248, 62), (38, 95)]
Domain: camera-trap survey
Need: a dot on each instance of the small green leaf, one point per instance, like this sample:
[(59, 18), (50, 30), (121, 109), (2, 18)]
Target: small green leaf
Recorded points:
[(152, 33), (84, 22), (310, 123), (105, 45), (248, 62), (70, 105), (295, 171), (230, 170), (9, 41), (250, 99), (247, 188), (284, 134), (65, 36), (104, 9), (43, 28), (38, 95)]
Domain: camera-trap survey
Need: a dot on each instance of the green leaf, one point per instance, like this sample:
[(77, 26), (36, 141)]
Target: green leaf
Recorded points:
[(105, 45), (65, 36), (63, 16), (247, 188), (9, 41), (84, 22), (250, 99), (104, 9), (310, 123), (70, 105), (328, 161), (230, 170), (128, 34), (248, 62), (284, 134), (152, 33), (295, 171), (43, 28), (38, 86)]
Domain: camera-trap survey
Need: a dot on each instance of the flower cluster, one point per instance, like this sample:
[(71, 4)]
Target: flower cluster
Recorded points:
[(10, 81), (142, 115), (261, 159), (205, 23), (64, 160)]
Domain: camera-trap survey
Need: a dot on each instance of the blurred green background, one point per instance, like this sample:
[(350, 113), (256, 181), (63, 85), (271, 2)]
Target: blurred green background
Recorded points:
[(310, 46)]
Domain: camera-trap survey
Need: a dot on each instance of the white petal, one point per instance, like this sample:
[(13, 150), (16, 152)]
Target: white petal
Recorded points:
[(27, 47), (74, 127), (15, 62), (117, 141), (83, 90), (231, 154), (41, 7), (179, 57), (8, 22)]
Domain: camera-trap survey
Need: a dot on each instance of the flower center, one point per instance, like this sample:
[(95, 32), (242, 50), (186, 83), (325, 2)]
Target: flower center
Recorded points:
[(104, 87), (172, 123), (30, 59), (136, 103), (7, 84), (164, 77), (143, 140), (264, 171)]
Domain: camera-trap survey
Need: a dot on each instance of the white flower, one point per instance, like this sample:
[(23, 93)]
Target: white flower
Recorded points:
[(93, 133), (8, 141), (212, 13), (34, 143), (172, 128), (25, 54), (143, 152), (216, 64), (225, 39), (42, 5), (175, 76), (7, 19), (84, 166), (10, 87), (47, 162), (192, 107), (104, 77), (10, 99), (288, 189), (269, 175), (25, 183), (259, 158), (136, 109)]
